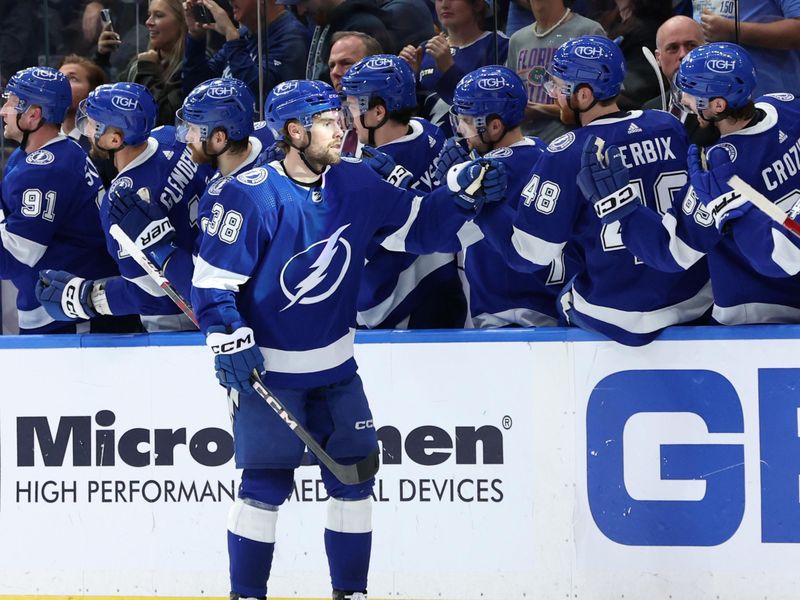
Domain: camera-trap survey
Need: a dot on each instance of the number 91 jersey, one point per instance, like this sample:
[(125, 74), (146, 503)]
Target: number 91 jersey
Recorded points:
[(614, 293)]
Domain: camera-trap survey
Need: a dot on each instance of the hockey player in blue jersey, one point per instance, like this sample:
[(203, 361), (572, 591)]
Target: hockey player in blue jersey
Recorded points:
[(49, 197), (401, 290), (612, 293), (275, 288), (760, 139), (118, 119), (488, 107)]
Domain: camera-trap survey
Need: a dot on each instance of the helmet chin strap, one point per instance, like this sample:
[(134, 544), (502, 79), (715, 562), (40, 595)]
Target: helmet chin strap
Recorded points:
[(302, 152), (214, 158), (579, 111), (371, 130), (491, 145), (27, 132)]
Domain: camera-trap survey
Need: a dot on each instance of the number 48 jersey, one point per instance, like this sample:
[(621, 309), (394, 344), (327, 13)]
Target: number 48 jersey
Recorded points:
[(614, 293)]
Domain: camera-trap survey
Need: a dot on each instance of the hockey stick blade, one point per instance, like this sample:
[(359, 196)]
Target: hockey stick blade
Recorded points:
[(153, 271), (763, 203), (362, 471)]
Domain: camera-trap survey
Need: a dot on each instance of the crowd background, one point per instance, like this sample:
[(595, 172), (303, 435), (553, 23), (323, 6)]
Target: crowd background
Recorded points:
[(160, 44)]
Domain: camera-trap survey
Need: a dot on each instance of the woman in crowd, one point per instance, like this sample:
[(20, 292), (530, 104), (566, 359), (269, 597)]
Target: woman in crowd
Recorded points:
[(158, 68)]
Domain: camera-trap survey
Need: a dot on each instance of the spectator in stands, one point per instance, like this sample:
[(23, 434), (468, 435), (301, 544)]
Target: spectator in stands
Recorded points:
[(529, 53), (347, 48), (633, 24), (159, 67), (84, 76), (332, 16), (131, 37), (284, 40), (463, 46), (674, 40), (410, 21), (17, 44), (768, 30)]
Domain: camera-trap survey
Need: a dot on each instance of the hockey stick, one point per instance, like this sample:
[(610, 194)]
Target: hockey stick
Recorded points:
[(153, 271), (763, 203), (362, 471), (651, 60)]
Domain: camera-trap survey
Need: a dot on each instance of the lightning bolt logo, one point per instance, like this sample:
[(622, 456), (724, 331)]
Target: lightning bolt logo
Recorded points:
[(319, 271)]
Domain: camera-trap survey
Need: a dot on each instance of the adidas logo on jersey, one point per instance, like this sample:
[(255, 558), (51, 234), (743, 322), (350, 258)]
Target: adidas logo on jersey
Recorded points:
[(168, 154), (634, 128), (782, 137), (431, 141)]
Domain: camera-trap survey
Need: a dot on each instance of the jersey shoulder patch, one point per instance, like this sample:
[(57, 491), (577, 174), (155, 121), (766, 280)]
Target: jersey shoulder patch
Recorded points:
[(783, 97), (40, 158), (253, 176), (351, 159), (562, 143), (500, 153), (215, 187)]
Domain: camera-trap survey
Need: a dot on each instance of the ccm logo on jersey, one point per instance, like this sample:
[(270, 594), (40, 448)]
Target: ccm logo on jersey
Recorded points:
[(368, 424)]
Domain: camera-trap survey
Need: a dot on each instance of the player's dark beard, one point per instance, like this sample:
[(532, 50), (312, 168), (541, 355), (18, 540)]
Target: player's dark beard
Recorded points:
[(97, 152), (199, 157), (322, 157), (568, 116)]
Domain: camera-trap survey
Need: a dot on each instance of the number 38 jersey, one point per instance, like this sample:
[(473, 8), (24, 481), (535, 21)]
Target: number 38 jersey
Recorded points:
[(287, 259), (614, 293), (49, 220)]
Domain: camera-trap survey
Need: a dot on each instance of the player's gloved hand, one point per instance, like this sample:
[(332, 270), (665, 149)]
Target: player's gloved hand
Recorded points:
[(144, 221), (385, 166), (274, 152), (604, 180), (711, 186), (452, 153), (235, 355), (65, 296), (477, 182)]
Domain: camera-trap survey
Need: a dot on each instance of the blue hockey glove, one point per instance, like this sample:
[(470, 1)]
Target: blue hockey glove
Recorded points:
[(478, 182), (144, 221), (65, 296), (711, 186), (274, 152), (452, 153), (385, 166), (605, 181), (235, 355)]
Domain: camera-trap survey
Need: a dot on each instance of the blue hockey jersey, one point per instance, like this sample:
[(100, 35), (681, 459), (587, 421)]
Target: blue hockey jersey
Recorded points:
[(767, 156), (613, 293), (401, 290), (287, 259), (49, 220), (165, 169), (500, 296)]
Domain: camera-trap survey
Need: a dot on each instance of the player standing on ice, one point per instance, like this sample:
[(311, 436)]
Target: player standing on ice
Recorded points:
[(758, 144), (48, 199), (275, 290)]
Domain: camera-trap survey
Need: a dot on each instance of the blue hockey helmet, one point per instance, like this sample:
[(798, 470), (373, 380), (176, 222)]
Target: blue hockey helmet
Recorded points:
[(298, 99), (492, 90), (44, 87), (588, 60), (383, 76), (719, 70), (129, 107), (217, 103)]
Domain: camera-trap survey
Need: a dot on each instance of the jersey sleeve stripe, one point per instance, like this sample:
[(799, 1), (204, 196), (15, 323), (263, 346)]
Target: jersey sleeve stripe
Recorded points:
[(683, 254), (755, 312), (310, 361), (396, 241), (31, 319), (469, 234), (24, 250), (146, 284), (784, 253), (534, 249), (208, 276), (642, 322)]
